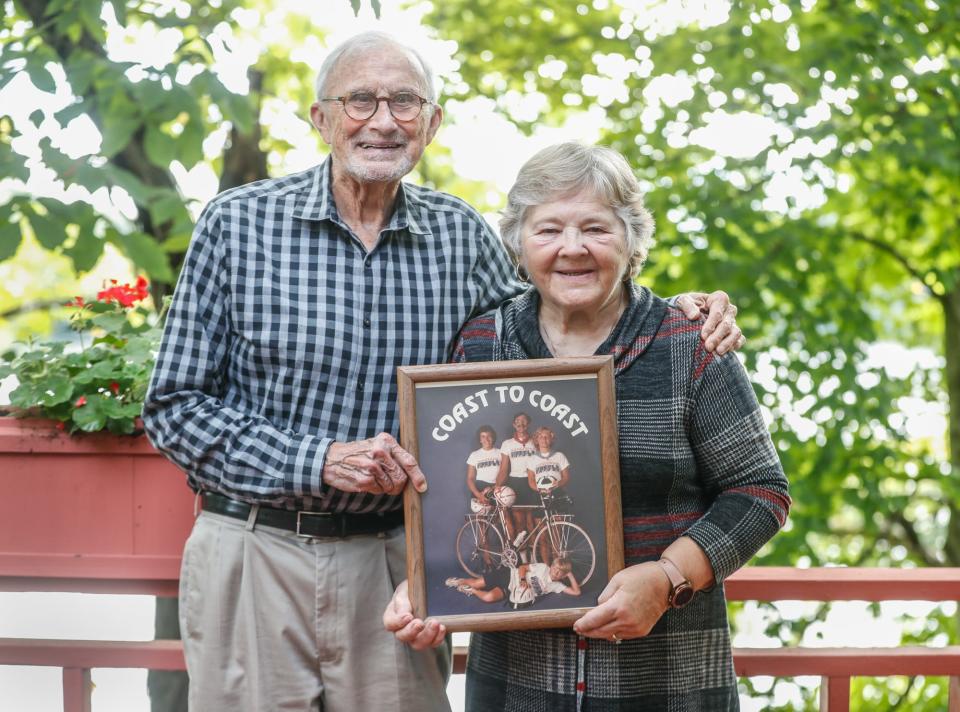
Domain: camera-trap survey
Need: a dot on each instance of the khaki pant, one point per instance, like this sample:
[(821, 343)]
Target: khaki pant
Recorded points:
[(272, 621)]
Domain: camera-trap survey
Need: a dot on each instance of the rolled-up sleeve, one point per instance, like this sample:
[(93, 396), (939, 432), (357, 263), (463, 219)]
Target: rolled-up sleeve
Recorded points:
[(737, 464), (184, 415)]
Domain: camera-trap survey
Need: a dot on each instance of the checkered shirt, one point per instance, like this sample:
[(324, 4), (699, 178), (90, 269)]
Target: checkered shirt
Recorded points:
[(696, 460), (285, 334)]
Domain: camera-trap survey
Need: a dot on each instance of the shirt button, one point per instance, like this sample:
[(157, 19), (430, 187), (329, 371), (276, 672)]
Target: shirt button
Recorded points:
[(360, 385), (367, 265), (366, 322)]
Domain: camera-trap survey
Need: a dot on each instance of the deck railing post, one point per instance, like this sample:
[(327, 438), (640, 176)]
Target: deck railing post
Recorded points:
[(77, 688), (953, 696), (835, 694)]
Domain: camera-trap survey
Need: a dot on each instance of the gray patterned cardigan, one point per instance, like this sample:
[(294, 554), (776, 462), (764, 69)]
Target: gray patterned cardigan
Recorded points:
[(695, 459)]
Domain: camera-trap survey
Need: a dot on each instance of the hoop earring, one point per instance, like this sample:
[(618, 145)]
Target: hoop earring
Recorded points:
[(522, 273)]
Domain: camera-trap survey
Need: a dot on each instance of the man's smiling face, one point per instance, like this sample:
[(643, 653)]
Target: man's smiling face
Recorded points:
[(381, 148)]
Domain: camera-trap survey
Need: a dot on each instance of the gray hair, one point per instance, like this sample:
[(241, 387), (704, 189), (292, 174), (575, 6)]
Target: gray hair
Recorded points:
[(566, 168), (367, 41)]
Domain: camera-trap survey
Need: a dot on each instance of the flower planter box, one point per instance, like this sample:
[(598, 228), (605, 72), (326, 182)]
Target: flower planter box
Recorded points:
[(91, 512)]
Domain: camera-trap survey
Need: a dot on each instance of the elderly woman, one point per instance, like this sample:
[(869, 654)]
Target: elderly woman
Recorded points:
[(702, 486)]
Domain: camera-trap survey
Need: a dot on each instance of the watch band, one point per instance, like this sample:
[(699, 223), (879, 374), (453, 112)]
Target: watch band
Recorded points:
[(681, 590)]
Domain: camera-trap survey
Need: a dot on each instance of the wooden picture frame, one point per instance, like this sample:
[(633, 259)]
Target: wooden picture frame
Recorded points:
[(462, 567)]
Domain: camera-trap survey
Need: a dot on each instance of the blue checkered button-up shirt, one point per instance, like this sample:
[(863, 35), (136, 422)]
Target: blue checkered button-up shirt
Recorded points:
[(285, 333)]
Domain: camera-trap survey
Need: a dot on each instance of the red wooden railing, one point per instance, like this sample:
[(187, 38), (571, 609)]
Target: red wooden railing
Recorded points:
[(109, 515), (836, 666)]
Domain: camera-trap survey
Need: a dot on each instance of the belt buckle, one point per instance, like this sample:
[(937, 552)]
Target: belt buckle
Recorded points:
[(300, 513)]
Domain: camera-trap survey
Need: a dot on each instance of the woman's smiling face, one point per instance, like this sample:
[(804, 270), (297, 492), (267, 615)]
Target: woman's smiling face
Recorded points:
[(574, 249)]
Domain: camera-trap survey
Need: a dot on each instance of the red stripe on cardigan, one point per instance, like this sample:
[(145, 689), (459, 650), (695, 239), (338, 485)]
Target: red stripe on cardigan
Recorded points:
[(658, 518), (781, 503)]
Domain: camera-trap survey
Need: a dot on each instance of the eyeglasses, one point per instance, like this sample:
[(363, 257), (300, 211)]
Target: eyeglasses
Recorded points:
[(362, 105)]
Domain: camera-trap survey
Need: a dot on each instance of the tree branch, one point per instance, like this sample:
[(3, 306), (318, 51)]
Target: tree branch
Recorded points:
[(30, 307), (912, 539), (897, 257)]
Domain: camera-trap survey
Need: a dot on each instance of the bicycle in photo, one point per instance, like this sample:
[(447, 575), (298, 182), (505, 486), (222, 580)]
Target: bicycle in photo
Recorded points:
[(482, 542)]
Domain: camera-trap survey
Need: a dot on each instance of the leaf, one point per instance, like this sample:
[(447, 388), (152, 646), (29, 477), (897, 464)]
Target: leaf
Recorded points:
[(177, 243), (90, 17), (190, 143), (36, 118), (12, 164), (111, 321), (10, 237), (120, 10), (70, 112), (161, 148), (86, 251), (236, 108), (90, 417), (129, 182), (117, 131), (49, 231), (167, 208), (82, 66), (72, 170), (40, 76), (58, 389), (144, 251)]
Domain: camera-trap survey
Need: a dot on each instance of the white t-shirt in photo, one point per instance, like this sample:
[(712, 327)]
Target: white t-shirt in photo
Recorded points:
[(487, 464), (538, 578), (519, 454), (550, 465)]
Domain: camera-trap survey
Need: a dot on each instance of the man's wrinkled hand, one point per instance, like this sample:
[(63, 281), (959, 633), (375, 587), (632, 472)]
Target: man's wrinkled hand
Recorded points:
[(377, 465), (720, 331)]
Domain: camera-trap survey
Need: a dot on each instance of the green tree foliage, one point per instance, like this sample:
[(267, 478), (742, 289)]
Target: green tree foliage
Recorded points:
[(149, 118), (855, 105), (861, 101)]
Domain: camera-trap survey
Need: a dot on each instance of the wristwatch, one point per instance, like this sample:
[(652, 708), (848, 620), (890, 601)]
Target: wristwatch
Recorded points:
[(681, 590)]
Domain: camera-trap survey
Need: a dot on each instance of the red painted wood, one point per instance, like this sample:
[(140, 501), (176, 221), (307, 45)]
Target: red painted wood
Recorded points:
[(89, 506), (847, 662), (782, 583), (86, 654), (835, 694), (137, 587), (839, 663), (77, 689), (29, 435), (953, 697)]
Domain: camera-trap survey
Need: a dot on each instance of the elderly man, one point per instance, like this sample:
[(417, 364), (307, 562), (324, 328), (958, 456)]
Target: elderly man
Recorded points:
[(275, 391)]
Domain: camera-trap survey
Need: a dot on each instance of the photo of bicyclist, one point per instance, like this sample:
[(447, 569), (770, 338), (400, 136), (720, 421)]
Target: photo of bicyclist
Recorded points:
[(548, 472), (484, 465), (530, 583), (519, 450), (548, 469)]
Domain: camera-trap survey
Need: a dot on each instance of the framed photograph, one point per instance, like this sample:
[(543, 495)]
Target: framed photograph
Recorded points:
[(520, 526)]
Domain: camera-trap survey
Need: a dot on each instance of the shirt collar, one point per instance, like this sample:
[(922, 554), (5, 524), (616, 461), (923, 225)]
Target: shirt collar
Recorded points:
[(317, 203), (627, 341)]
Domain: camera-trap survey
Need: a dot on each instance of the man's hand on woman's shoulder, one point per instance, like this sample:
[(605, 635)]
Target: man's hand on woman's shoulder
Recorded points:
[(720, 332)]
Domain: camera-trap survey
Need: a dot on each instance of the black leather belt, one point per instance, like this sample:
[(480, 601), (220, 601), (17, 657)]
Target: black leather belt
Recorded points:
[(304, 523)]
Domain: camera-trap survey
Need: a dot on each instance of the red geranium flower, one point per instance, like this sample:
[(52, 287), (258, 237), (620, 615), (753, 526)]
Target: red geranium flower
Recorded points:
[(125, 294), (81, 401)]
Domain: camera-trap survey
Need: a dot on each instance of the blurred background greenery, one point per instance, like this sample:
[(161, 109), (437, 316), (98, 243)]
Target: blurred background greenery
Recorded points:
[(802, 155)]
